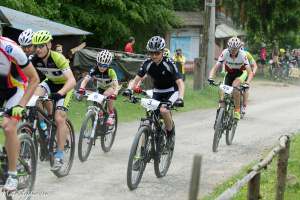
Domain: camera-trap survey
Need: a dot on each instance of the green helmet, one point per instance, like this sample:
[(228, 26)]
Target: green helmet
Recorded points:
[(41, 37), (166, 52)]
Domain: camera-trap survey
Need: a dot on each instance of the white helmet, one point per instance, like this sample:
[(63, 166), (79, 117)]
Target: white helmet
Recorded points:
[(156, 43), (104, 57), (234, 43), (25, 37)]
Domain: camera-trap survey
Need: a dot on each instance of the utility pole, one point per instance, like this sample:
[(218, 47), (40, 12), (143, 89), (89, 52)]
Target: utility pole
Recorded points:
[(200, 63), (211, 5)]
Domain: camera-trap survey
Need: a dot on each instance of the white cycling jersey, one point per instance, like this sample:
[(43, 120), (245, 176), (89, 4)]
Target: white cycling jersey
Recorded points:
[(12, 60), (239, 63)]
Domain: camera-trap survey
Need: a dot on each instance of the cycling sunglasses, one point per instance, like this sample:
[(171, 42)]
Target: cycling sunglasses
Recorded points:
[(40, 46), (26, 47), (156, 53), (103, 65)]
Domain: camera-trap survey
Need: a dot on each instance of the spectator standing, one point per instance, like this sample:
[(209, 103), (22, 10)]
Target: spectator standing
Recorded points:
[(59, 48), (179, 59), (129, 45), (263, 57)]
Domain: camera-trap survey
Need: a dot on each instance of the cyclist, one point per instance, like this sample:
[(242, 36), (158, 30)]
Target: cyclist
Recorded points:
[(167, 81), (167, 53), (237, 68), (107, 82), (253, 65), (25, 41), (58, 85), (15, 91)]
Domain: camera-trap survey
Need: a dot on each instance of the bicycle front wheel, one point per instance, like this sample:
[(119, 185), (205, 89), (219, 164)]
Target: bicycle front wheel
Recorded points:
[(108, 138), (85, 141), (163, 156), (26, 128), (26, 168), (69, 150), (138, 157), (230, 133), (218, 130)]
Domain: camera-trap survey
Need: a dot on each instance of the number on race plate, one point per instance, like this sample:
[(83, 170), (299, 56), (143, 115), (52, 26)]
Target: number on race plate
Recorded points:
[(150, 104), (226, 88), (96, 97)]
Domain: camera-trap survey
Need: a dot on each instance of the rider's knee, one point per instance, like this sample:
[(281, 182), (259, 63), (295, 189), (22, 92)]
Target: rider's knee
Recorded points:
[(163, 111), (9, 126), (60, 117)]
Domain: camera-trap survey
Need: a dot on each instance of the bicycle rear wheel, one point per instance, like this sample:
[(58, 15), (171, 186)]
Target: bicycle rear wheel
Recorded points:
[(218, 130), (108, 138), (163, 156), (69, 150), (138, 157), (85, 141)]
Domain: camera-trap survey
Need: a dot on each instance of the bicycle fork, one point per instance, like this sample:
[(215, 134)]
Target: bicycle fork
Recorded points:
[(94, 125)]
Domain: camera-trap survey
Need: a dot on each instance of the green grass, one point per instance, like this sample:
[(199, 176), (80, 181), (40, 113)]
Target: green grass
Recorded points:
[(268, 178)]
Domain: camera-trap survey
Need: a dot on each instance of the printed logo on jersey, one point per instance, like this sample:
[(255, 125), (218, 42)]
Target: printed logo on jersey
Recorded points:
[(9, 49)]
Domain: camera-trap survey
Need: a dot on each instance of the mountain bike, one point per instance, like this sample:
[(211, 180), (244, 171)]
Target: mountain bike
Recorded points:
[(225, 121), (150, 142), (47, 143), (94, 126), (26, 165)]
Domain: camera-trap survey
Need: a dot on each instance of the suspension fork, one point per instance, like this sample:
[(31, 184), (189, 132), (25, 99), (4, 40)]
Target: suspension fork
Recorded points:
[(95, 111)]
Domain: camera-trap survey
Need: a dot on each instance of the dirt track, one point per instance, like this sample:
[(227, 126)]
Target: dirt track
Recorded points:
[(273, 110)]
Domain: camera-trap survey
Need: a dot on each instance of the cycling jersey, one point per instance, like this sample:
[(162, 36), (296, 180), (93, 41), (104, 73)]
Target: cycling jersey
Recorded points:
[(12, 61), (55, 67), (239, 63), (104, 79), (163, 75)]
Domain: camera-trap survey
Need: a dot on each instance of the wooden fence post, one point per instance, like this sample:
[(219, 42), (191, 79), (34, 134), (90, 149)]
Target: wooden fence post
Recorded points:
[(199, 69), (195, 180), (254, 188), (282, 165)]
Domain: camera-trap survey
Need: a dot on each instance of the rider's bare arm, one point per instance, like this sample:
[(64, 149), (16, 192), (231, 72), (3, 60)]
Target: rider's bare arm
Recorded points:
[(214, 70), (254, 67), (70, 83), (33, 82), (250, 74), (133, 83), (180, 85), (115, 86), (85, 81)]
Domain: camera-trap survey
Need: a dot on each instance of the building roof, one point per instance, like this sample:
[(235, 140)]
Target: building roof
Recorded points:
[(225, 31), (21, 21), (191, 18)]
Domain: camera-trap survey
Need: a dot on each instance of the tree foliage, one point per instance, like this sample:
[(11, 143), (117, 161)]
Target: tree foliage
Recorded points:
[(267, 20), (111, 21)]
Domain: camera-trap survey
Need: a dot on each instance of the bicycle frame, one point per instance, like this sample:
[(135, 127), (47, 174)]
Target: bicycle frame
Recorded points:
[(96, 108)]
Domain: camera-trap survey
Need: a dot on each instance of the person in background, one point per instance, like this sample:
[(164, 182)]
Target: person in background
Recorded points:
[(59, 48), (263, 56), (129, 45), (179, 59)]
